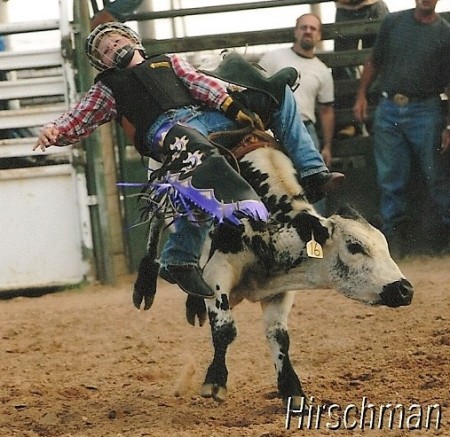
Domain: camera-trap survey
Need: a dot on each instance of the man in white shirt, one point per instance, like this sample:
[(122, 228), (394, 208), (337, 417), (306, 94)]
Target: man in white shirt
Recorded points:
[(316, 90)]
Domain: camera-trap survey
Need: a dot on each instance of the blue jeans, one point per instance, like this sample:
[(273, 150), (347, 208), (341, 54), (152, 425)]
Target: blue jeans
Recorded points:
[(402, 133), (184, 246), (290, 130), (320, 205)]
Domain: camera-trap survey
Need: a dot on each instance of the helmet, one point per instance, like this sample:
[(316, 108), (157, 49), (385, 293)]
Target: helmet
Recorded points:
[(122, 56)]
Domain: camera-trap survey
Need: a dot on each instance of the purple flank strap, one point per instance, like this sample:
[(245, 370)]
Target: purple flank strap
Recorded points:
[(206, 200), (178, 197)]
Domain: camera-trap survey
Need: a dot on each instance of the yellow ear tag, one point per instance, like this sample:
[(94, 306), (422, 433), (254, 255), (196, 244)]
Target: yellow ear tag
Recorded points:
[(313, 248)]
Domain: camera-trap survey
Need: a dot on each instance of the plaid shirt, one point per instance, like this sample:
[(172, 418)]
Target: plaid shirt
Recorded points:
[(98, 106)]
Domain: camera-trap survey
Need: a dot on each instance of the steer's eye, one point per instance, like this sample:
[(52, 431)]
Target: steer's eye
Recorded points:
[(355, 248)]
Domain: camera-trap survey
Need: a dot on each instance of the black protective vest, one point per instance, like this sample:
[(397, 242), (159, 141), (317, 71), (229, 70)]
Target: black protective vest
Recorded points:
[(143, 93)]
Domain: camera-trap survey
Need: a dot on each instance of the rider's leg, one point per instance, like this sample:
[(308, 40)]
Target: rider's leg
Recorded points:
[(180, 255), (204, 180), (286, 124)]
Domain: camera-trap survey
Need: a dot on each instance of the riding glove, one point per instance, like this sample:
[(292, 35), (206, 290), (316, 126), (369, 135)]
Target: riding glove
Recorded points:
[(239, 113)]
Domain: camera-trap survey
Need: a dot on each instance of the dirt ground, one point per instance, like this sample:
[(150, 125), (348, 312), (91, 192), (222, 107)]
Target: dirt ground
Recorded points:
[(84, 362)]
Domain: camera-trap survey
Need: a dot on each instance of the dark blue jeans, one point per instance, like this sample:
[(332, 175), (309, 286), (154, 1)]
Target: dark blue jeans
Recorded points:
[(402, 133)]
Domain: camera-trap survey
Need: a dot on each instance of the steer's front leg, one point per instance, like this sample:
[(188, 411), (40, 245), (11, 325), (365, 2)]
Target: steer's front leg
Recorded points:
[(144, 289), (222, 273), (223, 331), (275, 313)]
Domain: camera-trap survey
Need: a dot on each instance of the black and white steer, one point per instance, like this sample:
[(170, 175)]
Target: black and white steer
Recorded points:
[(298, 250)]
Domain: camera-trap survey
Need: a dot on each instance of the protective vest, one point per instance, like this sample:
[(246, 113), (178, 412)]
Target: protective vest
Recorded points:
[(144, 92)]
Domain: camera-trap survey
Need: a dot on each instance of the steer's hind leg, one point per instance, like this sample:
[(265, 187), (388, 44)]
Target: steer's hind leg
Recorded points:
[(275, 313)]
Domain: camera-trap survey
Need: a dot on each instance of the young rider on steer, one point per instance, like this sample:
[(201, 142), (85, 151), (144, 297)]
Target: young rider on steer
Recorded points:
[(169, 108)]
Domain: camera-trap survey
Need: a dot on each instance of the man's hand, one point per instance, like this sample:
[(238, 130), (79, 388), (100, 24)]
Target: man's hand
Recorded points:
[(47, 137), (445, 146), (360, 108), (240, 114), (327, 155)]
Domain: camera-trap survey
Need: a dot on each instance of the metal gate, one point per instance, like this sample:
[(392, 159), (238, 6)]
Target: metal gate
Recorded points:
[(45, 227)]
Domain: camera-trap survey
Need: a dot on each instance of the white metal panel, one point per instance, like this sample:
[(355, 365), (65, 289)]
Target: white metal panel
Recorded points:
[(30, 59), (35, 87), (26, 26), (40, 228), (13, 147), (28, 117), (45, 222)]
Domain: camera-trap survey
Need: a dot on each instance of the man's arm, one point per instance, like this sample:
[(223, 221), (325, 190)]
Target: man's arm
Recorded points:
[(206, 89), (370, 72), (445, 146), (327, 123), (213, 93), (94, 109)]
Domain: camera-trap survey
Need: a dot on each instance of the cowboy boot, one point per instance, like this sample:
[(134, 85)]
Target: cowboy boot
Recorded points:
[(202, 178)]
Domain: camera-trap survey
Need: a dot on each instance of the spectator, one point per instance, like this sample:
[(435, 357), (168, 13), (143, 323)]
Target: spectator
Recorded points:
[(169, 108), (118, 10), (316, 83), (411, 61), (350, 10)]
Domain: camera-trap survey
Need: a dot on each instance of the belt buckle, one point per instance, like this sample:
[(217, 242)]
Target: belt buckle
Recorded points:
[(400, 99)]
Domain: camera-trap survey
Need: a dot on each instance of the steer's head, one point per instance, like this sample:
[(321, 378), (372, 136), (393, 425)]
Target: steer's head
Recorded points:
[(358, 264)]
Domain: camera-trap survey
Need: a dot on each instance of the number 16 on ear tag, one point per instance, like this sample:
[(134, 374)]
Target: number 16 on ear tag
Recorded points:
[(313, 248)]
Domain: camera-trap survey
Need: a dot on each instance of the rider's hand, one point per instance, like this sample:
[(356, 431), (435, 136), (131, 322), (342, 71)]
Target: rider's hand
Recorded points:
[(240, 114), (47, 137)]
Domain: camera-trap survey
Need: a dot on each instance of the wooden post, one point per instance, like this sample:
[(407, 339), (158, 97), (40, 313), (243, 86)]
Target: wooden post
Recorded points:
[(95, 170), (316, 9)]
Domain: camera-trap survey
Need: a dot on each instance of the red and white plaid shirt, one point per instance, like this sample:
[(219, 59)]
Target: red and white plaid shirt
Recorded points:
[(98, 106)]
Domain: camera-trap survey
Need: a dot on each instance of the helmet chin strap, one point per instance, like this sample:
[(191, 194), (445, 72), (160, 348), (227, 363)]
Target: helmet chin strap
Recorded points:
[(124, 57)]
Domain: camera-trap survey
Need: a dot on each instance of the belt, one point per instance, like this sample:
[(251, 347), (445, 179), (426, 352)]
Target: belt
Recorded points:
[(403, 100)]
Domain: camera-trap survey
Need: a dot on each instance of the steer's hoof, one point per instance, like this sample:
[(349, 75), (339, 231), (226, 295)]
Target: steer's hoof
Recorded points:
[(298, 405), (140, 296), (220, 394), (216, 392), (207, 390)]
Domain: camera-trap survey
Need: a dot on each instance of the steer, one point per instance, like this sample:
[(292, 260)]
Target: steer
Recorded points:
[(299, 249)]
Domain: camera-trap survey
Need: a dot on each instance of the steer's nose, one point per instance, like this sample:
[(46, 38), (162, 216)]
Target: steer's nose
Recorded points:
[(396, 294)]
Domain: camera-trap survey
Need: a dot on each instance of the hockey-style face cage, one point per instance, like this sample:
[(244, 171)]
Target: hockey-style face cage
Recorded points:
[(116, 55)]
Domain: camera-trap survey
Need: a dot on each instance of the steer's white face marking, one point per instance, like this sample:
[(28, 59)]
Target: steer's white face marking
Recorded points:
[(357, 260), (361, 264)]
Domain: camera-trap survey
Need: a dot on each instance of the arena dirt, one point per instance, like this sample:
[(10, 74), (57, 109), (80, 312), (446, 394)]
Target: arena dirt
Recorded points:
[(84, 362)]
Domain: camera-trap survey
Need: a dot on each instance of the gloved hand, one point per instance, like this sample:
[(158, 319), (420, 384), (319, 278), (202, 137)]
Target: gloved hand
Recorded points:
[(238, 112)]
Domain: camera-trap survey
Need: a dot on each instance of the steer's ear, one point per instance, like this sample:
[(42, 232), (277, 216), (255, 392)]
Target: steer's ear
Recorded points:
[(308, 225)]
